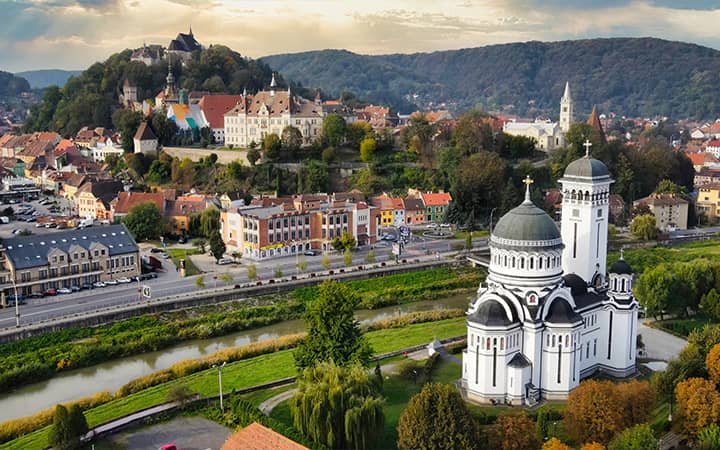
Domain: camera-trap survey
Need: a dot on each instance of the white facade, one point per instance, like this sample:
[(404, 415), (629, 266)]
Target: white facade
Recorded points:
[(536, 329), (566, 109), (398, 217), (547, 135), (103, 150)]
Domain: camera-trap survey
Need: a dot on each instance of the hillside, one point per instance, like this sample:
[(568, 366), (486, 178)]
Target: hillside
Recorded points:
[(40, 79), (11, 85), (631, 76)]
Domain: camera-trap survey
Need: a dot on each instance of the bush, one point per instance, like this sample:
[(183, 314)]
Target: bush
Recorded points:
[(144, 382)]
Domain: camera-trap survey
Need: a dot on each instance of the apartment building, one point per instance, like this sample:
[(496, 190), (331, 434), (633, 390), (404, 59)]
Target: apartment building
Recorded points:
[(670, 211), (708, 201)]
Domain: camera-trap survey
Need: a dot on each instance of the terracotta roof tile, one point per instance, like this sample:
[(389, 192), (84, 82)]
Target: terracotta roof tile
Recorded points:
[(436, 199), (259, 437), (215, 106), (126, 200)]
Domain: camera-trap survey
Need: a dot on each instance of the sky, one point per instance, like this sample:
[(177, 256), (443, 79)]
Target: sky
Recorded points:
[(72, 34)]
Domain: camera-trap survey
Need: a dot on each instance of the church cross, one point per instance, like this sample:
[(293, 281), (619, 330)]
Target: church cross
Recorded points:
[(622, 253), (587, 146), (528, 181)]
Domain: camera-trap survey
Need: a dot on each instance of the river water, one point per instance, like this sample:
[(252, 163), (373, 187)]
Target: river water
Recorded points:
[(111, 375)]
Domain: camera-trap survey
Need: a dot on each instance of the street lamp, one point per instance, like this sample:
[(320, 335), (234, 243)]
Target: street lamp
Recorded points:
[(220, 368), (17, 302), (491, 217)]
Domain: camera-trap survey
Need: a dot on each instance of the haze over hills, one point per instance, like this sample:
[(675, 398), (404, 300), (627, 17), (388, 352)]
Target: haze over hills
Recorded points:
[(630, 76), (40, 79), (11, 85)]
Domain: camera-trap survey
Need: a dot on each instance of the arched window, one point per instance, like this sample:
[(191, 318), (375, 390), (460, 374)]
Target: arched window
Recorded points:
[(623, 285), (522, 262), (505, 260), (531, 261), (502, 343), (567, 341), (540, 262), (553, 341), (488, 343), (513, 262)]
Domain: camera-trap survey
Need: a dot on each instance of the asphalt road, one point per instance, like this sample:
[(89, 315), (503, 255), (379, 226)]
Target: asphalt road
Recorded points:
[(170, 283)]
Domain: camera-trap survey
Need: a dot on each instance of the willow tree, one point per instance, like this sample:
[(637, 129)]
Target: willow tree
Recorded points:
[(333, 333), (339, 407)]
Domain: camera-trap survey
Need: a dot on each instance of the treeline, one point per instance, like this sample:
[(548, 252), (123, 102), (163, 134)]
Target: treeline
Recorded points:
[(11, 85), (90, 98), (631, 76)]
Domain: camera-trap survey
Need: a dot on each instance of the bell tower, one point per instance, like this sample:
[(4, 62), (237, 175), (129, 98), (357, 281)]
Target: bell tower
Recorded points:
[(566, 109)]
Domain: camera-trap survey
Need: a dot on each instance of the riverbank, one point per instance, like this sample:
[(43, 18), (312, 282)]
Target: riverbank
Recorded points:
[(42, 357), (248, 372)]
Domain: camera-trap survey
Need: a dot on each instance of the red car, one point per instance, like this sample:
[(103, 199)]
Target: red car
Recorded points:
[(169, 447), (51, 291)]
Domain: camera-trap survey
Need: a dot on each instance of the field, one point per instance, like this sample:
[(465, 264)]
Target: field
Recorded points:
[(641, 258)]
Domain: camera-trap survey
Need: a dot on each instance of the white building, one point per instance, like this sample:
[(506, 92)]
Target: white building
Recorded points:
[(256, 116), (145, 140), (105, 147), (547, 317), (547, 135)]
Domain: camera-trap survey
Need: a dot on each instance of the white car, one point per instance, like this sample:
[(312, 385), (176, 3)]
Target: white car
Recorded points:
[(124, 280), (111, 282), (64, 291), (224, 261), (99, 284), (432, 225)]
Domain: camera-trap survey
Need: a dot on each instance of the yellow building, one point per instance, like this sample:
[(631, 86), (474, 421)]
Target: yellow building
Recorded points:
[(708, 201)]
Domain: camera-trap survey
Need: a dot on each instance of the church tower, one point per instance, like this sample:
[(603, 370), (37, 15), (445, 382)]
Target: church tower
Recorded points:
[(169, 82), (585, 197), (566, 109)]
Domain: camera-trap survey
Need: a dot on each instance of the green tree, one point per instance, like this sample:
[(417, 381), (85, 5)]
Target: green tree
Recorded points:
[(209, 222), (639, 437), (200, 244), (291, 139), (367, 149), (644, 227), (200, 282), (328, 155), (658, 290), (480, 180), (333, 332), (217, 246), (325, 262), (333, 130), (227, 278), (164, 128), (347, 257), (251, 272), (356, 132), (370, 257), (338, 407), (709, 438), (126, 122), (271, 146), (253, 155), (710, 304), (68, 426), (144, 221), (437, 418), (472, 134)]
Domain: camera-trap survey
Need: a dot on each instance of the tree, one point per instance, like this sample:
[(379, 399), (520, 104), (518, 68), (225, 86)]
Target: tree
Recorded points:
[(593, 446), (328, 155), (236, 256), (333, 332), (658, 290), (709, 438), (200, 282), (437, 418), (480, 180), (302, 264), (370, 257), (180, 394), (472, 134), (357, 131), (644, 227), (227, 278), (217, 246), (639, 437), (325, 262), (164, 128), (367, 149), (338, 407), (127, 121), (291, 139), (698, 405), (347, 257), (333, 129), (200, 244), (593, 412), (251, 272), (253, 155), (67, 428), (712, 361), (209, 222), (144, 221), (637, 399), (513, 432), (555, 444), (271, 146)]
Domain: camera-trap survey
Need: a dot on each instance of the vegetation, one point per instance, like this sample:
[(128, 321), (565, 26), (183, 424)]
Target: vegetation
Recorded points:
[(462, 77), (639, 437), (643, 227), (177, 254), (144, 221), (339, 407), (12, 85), (437, 418), (68, 426), (333, 333), (513, 432)]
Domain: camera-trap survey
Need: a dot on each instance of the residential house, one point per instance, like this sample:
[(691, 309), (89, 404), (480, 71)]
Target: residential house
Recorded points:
[(35, 263), (145, 140), (703, 159), (708, 202), (148, 54), (378, 117), (94, 197), (231, 199), (178, 212), (121, 205), (259, 437), (16, 166), (385, 204), (213, 109), (398, 211), (37, 154), (104, 147), (706, 176), (670, 210), (436, 205), (713, 147), (414, 210)]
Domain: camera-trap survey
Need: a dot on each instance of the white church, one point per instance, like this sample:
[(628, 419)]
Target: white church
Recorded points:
[(547, 135), (548, 315)]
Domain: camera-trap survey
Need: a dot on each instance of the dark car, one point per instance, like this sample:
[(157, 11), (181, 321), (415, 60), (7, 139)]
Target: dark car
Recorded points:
[(36, 295), (156, 250), (75, 288), (11, 299), (312, 252), (51, 291), (86, 286)]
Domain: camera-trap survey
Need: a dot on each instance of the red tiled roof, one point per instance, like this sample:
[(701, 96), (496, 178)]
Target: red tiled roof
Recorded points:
[(126, 200), (436, 199), (184, 207), (259, 437), (215, 106), (397, 203), (713, 143)]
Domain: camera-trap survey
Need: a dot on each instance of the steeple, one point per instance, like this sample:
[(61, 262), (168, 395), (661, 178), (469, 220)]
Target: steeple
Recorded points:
[(273, 85), (566, 109), (190, 30), (169, 81), (594, 122)]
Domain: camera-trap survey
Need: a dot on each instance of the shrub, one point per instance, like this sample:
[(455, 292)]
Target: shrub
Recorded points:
[(144, 382)]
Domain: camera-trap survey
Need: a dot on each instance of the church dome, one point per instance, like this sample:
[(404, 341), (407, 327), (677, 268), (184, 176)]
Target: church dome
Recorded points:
[(585, 168), (576, 284), (562, 313), (621, 267), (526, 222), (490, 313)]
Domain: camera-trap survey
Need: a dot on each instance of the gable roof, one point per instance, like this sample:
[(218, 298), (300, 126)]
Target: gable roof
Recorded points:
[(126, 200), (215, 106), (32, 251), (104, 190), (259, 437), (436, 198), (414, 204), (594, 122), (144, 133)]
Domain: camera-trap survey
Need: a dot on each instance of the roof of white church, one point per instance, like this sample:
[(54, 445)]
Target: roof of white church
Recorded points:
[(587, 168), (562, 313), (491, 313), (526, 222)]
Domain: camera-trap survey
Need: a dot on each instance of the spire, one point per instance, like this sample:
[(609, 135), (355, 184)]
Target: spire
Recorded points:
[(528, 181), (191, 30), (566, 95), (594, 121), (244, 92), (272, 81)]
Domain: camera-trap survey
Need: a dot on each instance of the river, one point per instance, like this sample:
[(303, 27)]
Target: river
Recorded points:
[(111, 375)]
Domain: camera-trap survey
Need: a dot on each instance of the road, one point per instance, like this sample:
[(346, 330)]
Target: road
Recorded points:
[(169, 282)]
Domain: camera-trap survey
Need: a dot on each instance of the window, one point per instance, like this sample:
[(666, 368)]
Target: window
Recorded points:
[(599, 212)]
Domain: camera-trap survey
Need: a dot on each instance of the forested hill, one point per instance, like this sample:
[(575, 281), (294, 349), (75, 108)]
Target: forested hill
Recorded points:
[(630, 76), (11, 85), (90, 98)]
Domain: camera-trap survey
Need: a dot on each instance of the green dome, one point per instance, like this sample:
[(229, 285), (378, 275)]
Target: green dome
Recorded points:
[(526, 222), (587, 167)]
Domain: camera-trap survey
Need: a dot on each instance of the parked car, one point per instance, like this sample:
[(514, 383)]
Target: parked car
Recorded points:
[(111, 283), (432, 225), (51, 225), (98, 284), (124, 280), (224, 261), (75, 288), (11, 299), (64, 291), (86, 286), (51, 291), (182, 240), (156, 250), (311, 252), (36, 295)]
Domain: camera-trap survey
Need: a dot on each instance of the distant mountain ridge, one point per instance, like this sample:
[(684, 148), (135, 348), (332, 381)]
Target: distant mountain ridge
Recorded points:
[(629, 76), (40, 79), (11, 85)]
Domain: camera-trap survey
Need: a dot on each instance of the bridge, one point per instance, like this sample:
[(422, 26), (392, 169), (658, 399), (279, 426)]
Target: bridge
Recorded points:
[(478, 260)]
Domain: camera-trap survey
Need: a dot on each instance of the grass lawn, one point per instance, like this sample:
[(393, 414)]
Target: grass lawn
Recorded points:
[(641, 258), (475, 234), (683, 327), (176, 254), (245, 373)]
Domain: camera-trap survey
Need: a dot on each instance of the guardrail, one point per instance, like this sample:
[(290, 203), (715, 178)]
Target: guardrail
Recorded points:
[(123, 310)]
